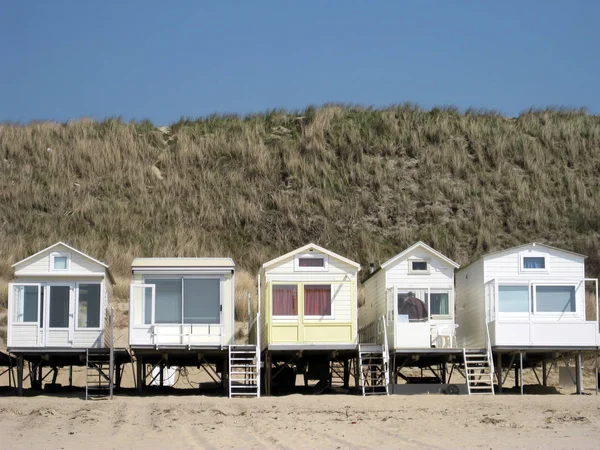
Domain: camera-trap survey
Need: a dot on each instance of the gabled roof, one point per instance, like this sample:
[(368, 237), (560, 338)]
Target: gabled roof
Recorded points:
[(308, 247), (534, 244), (182, 262), (424, 246), (531, 244), (71, 249)]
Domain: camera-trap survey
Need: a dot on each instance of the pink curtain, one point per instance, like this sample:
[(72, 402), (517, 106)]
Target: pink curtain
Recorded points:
[(317, 300), (285, 300)]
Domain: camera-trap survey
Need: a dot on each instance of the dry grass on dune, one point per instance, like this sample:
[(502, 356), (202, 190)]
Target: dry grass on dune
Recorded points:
[(364, 182)]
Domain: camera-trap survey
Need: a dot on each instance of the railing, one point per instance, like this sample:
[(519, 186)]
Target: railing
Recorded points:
[(258, 349), (372, 333), (185, 338), (111, 361)]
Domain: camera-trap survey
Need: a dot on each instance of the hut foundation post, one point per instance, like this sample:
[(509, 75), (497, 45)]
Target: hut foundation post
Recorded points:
[(521, 371), (499, 373), (544, 374), (578, 374), (20, 375), (139, 362)]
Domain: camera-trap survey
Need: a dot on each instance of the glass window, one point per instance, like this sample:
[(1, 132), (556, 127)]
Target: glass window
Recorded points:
[(418, 266), (147, 306), (88, 311), (59, 306), (26, 304), (513, 298), (555, 298), (285, 300), (60, 263), (534, 262), (202, 300), (439, 304), (167, 307), (311, 262), (411, 306), (317, 300)]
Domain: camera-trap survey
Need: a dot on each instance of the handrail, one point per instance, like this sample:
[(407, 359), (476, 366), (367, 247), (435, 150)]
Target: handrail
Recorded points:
[(111, 361), (258, 350), (489, 352), (386, 355)]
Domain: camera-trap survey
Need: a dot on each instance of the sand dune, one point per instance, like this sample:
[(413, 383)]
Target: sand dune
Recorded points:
[(334, 421)]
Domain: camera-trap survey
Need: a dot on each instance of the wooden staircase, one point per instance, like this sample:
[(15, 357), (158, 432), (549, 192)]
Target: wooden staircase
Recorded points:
[(479, 371), (99, 369), (244, 371)]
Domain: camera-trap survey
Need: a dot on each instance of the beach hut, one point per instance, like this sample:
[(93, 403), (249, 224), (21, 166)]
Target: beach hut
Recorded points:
[(308, 305), (59, 315), (414, 293), (527, 304), (181, 313)]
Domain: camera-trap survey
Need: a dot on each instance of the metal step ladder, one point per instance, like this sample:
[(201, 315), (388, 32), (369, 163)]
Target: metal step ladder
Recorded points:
[(98, 380), (479, 371), (373, 365), (244, 371)]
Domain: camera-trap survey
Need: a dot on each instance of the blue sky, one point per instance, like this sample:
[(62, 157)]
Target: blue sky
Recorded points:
[(150, 60)]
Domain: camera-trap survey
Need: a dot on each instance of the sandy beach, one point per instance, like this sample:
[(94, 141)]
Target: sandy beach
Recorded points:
[(333, 421)]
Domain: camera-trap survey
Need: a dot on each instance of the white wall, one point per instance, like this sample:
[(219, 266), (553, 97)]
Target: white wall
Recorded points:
[(441, 274), (562, 267), (374, 289), (511, 329), (470, 306), (141, 335), (32, 336), (41, 264)]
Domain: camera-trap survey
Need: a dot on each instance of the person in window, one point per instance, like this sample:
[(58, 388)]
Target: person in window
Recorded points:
[(414, 308)]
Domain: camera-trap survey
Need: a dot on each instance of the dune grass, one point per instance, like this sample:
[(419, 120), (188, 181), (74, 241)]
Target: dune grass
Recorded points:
[(363, 182)]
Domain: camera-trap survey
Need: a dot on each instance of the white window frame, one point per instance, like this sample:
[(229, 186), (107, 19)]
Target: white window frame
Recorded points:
[(332, 295), (220, 277), (100, 327), (534, 254), (448, 291), (13, 306), (533, 293), (418, 272), (513, 315), (59, 255), (290, 318), (311, 255), (404, 290)]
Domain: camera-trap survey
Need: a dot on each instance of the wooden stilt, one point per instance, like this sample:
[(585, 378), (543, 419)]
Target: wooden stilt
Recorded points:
[(268, 372), (579, 374), (139, 362), (596, 370), (20, 375), (346, 374), (162, 374), (544, 374), (521, 371), (499, 372), (70, 376), (55, 375)]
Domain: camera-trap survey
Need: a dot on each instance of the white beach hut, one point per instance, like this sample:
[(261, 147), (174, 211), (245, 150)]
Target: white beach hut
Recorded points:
[(527, 302), (58, 311)]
